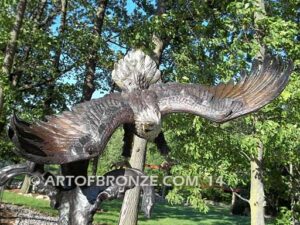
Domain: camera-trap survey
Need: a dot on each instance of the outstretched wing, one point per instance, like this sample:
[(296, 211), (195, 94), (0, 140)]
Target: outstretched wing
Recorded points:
[(227, 101), (78, 134)]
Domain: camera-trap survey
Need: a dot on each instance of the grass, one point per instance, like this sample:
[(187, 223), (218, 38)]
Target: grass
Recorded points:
[(163, 214)]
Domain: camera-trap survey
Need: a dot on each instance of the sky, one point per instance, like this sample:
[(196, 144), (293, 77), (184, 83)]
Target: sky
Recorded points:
[(130, 6)]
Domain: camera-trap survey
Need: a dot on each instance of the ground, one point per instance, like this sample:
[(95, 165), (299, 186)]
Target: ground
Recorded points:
[(163, 214)]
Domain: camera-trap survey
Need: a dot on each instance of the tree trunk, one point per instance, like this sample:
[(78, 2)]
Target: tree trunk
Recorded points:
[(233, 200), (95, 166), (163, 192), (91, 64), (56, 62), (2, 123), (258, 15), (295, 208), (129, 211), (1, 100), (89, 79), (294, 196), (12, 44), (257, 195), (158, 50), (25, 189)]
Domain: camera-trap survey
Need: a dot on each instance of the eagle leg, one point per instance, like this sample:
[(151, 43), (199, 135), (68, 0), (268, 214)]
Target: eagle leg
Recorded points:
[(159, 141), (161, 144), (75, 169), (128, 140), (127, 146)]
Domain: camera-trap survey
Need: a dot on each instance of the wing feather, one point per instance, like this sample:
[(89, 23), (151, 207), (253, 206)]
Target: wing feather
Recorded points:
[(227, 101), (78, 134)]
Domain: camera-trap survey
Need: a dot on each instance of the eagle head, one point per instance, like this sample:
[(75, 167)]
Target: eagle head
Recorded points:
[(148, 123)]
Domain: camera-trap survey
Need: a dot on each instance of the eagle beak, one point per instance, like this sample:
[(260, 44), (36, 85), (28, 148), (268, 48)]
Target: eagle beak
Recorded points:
[(147, 127)]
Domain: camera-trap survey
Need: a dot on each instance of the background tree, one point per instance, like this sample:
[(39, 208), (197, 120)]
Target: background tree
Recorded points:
[(238, 44)]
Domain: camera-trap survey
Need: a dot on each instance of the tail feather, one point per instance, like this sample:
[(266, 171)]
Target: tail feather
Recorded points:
[(21, 135)]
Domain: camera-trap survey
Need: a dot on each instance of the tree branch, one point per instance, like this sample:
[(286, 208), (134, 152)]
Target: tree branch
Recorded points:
[(245, 154), (34, 85), (238, 195)]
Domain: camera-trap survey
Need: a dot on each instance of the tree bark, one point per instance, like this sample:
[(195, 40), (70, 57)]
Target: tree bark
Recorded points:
[(91, 64), (95, 165), (56, 62), (257, 195), (89, 79), (159, 48), (12, 44), (259, 34), (1, 101), (294, 187), (26, 185), (129, 211)]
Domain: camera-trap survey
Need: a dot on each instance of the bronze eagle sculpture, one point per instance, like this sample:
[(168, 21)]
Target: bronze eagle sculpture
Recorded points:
[(83, 132)]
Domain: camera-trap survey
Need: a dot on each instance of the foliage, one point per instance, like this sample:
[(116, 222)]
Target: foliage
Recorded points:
[(208, 42), (285, 217)]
